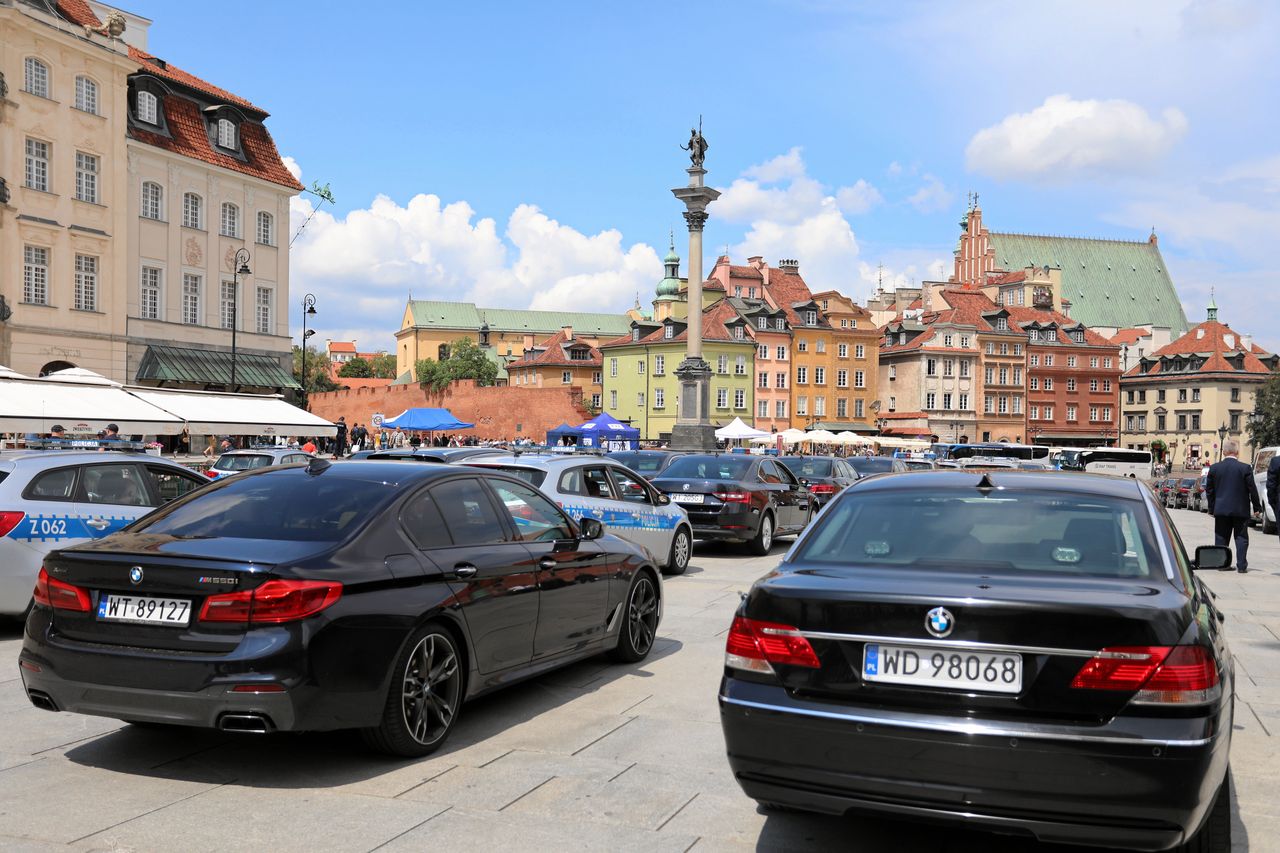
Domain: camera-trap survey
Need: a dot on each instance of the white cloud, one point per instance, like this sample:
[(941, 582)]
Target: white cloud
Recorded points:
[(1064, 138), (293, 167), (782, 167), (932, 196), (858, 198)]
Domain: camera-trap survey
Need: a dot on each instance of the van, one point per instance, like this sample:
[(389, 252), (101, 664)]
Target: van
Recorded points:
[(1261, 460)]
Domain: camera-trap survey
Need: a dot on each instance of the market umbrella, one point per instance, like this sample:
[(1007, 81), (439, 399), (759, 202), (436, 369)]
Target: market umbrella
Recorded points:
[(820, 435)]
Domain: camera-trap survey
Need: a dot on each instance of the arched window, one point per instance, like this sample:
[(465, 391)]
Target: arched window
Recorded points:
[(266, 228), (152, 200), (230, 220), (37, 77), (192, 210), (227, 133), (147, 108), (86, 95)]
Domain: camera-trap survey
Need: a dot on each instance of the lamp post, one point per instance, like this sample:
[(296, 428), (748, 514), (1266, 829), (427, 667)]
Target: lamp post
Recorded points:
[(1222, 438), (308, 308), (239, 267)]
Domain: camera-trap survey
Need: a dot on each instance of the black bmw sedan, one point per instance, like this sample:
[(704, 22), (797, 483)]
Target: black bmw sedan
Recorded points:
[(373, 595), (1030, 653), (825, 476)]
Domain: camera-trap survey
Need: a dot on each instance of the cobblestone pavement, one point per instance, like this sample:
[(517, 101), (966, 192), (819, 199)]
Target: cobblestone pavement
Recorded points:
[(595, 757)]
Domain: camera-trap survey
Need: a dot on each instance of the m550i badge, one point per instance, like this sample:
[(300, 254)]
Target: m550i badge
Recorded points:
[(227, 581)]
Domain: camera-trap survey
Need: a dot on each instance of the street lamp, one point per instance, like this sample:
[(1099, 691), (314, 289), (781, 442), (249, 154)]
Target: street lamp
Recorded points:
[(308, 307), (1222, 437), (239, 267)]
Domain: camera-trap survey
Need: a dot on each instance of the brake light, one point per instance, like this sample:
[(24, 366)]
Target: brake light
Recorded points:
[(274, 602), (52, 592), (734, 497), (753, 645), (1161, 675), (211, 474), (822, 489), (10, 520)]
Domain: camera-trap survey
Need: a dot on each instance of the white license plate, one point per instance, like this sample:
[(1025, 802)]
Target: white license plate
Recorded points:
[(144, 610), (949, 669), (682, 498)]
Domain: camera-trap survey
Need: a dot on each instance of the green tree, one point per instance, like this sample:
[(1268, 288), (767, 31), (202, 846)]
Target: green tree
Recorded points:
[(384, 366), (1264, 424), (465, 361), (317, 370), (356, 368)]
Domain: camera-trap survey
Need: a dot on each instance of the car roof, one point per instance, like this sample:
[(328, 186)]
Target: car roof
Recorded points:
[(57, 458), (538, 461), (959, 480), (391, 471)]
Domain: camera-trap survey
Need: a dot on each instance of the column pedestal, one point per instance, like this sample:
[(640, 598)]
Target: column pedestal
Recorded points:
[(693, 429)]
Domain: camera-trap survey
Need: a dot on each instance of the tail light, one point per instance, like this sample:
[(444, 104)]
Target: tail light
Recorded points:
[(822, 489), (10, 520), (54, 593), (734, 497), (1161, 675), (754, 645), (274, 602), (211, 474)]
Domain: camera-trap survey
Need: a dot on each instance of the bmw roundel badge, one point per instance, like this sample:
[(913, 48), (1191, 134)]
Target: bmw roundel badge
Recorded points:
[(135, 574), (939, 622)]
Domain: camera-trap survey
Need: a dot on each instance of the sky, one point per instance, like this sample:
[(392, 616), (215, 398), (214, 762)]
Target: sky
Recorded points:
[(522, 155)]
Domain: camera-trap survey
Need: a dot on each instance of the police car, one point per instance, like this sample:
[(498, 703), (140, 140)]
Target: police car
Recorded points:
[(238, 461), (68, 492), (599, 488)]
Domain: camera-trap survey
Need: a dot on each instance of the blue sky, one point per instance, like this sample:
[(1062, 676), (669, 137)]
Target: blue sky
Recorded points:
[(523, 154)]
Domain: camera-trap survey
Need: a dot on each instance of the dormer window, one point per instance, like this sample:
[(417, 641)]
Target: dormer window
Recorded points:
[(1002, 324), (739, 333), (762, 323), (1077, 336), (811, 318), (669, 332), (780, 324), (147, 108), (227, 134), (1033, 335), (1051, 335), (635, 334)]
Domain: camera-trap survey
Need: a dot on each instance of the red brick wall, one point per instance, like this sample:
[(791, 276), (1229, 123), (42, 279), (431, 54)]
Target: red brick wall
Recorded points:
[(504, 412)]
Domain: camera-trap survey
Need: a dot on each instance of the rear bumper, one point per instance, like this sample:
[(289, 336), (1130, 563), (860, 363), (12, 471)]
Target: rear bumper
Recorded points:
[(1136, 793)]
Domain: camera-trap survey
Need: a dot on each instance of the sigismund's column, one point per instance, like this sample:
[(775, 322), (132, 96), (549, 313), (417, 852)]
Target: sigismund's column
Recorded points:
[(693, 429)]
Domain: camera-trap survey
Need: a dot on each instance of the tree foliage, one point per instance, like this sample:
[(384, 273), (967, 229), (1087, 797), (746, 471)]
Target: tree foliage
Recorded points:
[(1264, 425), (317, 371), (384, 366), (356, 368), (465, 361)]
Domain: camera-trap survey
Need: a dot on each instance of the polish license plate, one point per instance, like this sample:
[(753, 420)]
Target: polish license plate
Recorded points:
[(948, 669), (682, 498), (144, 610)]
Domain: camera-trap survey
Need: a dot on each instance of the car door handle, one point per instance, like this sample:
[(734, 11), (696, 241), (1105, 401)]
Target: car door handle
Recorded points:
[(547, 564), (464, 570), (98, 523)]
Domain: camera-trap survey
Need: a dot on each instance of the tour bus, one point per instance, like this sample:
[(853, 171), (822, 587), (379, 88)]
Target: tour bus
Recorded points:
[(993, 449), (1116, 461)]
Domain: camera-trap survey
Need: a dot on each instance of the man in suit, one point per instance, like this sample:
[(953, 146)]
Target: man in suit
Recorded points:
[(1273, 486), (1232, 492)]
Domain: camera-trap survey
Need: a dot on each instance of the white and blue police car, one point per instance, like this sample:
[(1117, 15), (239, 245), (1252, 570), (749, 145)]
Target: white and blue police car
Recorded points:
[(597, 487), (239, 461), (66, 492)]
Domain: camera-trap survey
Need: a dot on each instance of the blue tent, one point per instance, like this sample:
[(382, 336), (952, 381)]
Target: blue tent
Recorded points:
[(425, 420), (555, 435), (605, 427)]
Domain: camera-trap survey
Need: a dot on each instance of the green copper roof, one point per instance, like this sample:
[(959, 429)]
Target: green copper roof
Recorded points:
[(465, 315), (163, 364), (1108, 282)]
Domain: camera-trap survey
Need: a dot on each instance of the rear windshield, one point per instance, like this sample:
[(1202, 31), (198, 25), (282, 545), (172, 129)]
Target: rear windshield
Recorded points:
[(286, 504), (241, 462), (532, 476), (641, 463), (807, 467), (1004, 531), (1190, 481), (708, 468), (871, 464)]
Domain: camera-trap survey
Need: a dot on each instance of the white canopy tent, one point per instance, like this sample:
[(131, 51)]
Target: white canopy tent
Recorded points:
[(82, 402), (207, 412), (736, 429), (852, 439), (821, 436)]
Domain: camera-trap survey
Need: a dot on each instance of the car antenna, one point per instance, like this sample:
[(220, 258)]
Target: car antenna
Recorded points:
[(316, 465), (985, 485)]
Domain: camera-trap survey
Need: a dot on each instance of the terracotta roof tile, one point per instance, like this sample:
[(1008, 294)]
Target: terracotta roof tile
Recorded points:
[(713, 329), (552, 354), (736, 271), (1007, 278), (787, 289), (168, 71), (78, 12), (1129, 336), (1208, 337), (341, 346)]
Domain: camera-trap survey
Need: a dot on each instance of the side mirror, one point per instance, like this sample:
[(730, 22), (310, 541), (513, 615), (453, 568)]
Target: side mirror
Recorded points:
[(1212, 557), (804, 482), (663, 499), (590, 529)]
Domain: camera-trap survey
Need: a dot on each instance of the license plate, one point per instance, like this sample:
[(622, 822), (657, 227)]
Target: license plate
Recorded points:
[(682, 498), (144, 610), (952, 670)]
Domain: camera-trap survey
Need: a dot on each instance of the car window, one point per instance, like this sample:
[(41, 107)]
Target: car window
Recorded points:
[(424, 523), (708, 468), (866, 465), (769, 472), (293, 457), (169, 484), (631, 488), (56, 485), (119, 485), (645, 463), (241, 461), (536, 518), (530, 475), (803, 467), (596, 481), (468, 513), (571, 482), (787, 478)]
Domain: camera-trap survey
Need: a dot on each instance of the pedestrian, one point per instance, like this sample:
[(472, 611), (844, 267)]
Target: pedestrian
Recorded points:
[(1232, 493), (309, 447), (340, 442), (1273, 487), (57, 432)]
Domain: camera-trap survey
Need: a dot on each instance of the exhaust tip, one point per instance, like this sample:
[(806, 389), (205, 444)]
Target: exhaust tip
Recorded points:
[(42, 700), (254, 724)]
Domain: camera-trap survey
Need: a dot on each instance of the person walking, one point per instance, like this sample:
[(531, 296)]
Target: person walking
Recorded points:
[(340, 441), (1232, 493), (1273, 486)]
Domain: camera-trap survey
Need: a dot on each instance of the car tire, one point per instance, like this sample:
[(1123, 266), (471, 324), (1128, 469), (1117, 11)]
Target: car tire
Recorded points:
[(422, 707), (1214, 835), (763, 540), (681, 552), (639, 626)]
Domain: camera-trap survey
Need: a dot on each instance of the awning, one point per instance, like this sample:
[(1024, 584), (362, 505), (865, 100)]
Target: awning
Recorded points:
[(212, 412), (844, 426), (210, 367), (426, 420), (81, 407)]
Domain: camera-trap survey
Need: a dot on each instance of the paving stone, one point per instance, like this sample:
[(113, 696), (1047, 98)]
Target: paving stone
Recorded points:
[(463, 830)]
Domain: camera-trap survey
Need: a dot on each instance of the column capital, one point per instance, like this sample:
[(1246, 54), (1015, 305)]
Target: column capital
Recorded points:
[(697, 219)]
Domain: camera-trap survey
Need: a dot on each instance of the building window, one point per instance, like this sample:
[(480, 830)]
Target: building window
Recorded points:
[(893, 372), (37, 176), (1051, 335), (722, 398), (659, 365), (1182, 395), (820, 345), (762, 379), (964, 342), (1071, 413), (1033, 360), (819, 407), (842, 408), (964, 368), (948, 367), (964, 403), (930, 400), (802, 345), (739, 333), (762, 351), (613, 367), (86, 177), (1048, 383), (991, 348), (597, 377), (566, 377), (1003, 405), (191, 299), (751, 293), (740, 366), (802, 405), (659, 398), (1235, 421), (86, 298), (819, 376), (192, 210), (859, 351), (842, 351), (842, 379), (635, 334), (780, 409), (86, 95), (780, 353), (149, 294), (1106, 362), (1161, 422), (989, 375), (152, 206), (947, 340), (1047, 412), (946, 401), (230, 220), (35, 275), (36, 80), (1093, 384), (859, 379), (613, 400), (1034, 413), (266, 228), (739, 398), (1071, 361), (1004, 349), (931, 367), (811, 318), (1002, 324), (780, 324), (1071, 384), (263, 310), (1017, 405), (640, 399), (1106, 413), (227, 309), (595, 402), (1034, 384), (227, 134), (762, 323), (147, 109), (1195, 395), (640, 367), (1048, 361), (1093, 362), (722, 364), (1017, 376), (1093, 413), (762, 408), (668, 332), (780, 380)]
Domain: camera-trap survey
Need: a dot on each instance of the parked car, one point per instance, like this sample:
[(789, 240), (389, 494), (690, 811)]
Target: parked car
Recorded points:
[(1261, 460), (868, 465), (738, 498), (377, 596), (646, 463), (1181, 493), (824, 476), (1028, 652), (58, 498), (597, 487), (430, 454), (238, 461), (920, 464)]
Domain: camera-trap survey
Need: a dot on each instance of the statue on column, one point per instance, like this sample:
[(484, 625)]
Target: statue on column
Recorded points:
[(697, 146)]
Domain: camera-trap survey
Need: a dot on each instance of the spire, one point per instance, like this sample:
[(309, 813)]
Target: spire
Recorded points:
[(1213, 306)]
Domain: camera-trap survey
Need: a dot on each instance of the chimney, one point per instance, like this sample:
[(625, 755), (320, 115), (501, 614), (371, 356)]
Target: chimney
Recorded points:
[(756, 261), (1246, 343), (1066, 307), (1153, 239), (789, 265), (568, 332)]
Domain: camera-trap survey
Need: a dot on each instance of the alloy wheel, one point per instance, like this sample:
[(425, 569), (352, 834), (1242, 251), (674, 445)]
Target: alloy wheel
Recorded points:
[(431, 688), (766, 533), (642, 615), (681, 551)]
